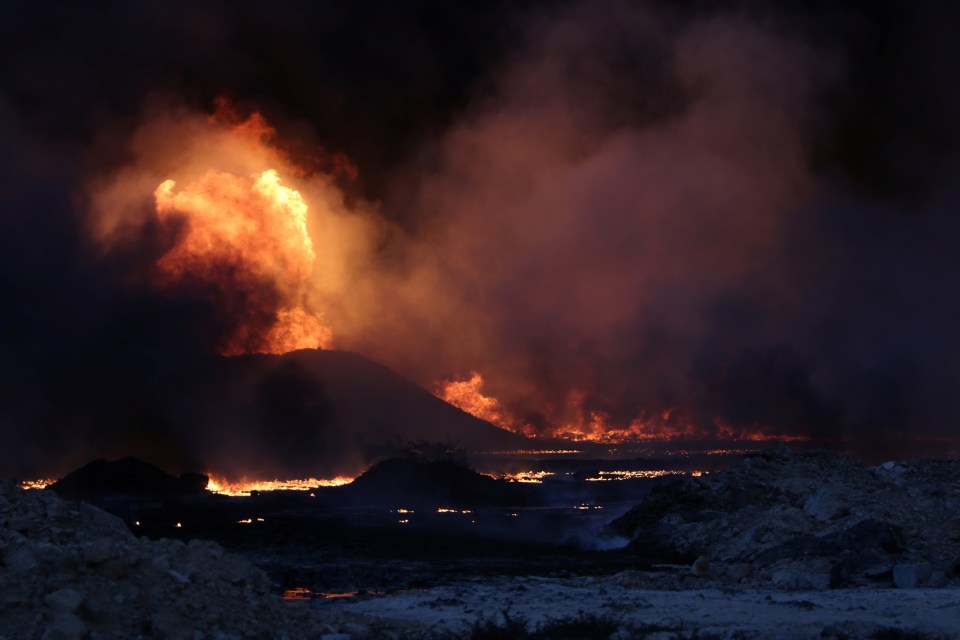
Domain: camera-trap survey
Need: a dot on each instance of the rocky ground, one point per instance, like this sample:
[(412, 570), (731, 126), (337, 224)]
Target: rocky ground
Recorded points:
[(624, 607), (807, 521), (781, 545), (809, 545), (72, 571)]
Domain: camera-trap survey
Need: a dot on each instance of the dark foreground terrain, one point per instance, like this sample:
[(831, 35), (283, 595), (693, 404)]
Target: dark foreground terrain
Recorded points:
[(781, 545)]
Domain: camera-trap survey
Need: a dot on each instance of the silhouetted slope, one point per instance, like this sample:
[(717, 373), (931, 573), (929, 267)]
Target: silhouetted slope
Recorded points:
[(128, 476), (312, 412)]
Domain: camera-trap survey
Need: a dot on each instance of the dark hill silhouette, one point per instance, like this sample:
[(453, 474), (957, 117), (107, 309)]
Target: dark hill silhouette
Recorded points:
[(128, 476), (312, 412), (300, 414), (400, 482)]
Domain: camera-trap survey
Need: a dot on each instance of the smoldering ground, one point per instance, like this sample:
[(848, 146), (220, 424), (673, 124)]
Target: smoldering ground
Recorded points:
[(738, 213)]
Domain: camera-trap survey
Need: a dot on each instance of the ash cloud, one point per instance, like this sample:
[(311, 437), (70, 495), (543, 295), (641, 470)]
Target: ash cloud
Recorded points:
[(742, 211)]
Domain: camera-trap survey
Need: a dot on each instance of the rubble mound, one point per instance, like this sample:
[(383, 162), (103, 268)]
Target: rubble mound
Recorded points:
[(70, 570), (814, 520), (432, 484), (128, 476)]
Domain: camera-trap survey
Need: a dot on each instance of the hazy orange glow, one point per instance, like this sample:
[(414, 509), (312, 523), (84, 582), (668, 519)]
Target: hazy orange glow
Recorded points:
[(244, 487)]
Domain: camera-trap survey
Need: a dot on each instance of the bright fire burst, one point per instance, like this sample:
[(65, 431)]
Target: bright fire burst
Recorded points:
[(240, 232), (218, 484), (234, 208), (241, 221)]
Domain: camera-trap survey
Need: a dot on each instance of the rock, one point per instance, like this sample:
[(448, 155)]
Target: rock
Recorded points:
[(64, 600), (938, 579), (700, 567), (19, 524), (737, 571), (64, 627), (770, 511), (826, 504), (20, 559), (179, 577), (167, 624), (801, 581), (86, 576), (99, 551), (908, 576)]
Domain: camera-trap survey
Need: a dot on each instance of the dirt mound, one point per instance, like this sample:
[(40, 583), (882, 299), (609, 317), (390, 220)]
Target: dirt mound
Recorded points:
[(433, 484), (128, 476), (70, 570), (807, 521)]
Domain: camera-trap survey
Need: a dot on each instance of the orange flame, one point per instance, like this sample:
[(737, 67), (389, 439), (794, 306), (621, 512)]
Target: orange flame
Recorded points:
[(577, 423), (227, 188), (467, 395)]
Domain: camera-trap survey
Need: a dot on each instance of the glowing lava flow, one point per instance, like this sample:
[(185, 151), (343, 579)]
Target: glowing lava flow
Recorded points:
[(245, 487)]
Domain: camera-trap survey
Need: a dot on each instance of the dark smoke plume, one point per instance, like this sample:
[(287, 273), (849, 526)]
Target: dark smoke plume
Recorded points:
[(739, 212)]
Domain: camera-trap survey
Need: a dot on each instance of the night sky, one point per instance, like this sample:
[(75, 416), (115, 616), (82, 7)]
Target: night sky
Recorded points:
[(741, 213)]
